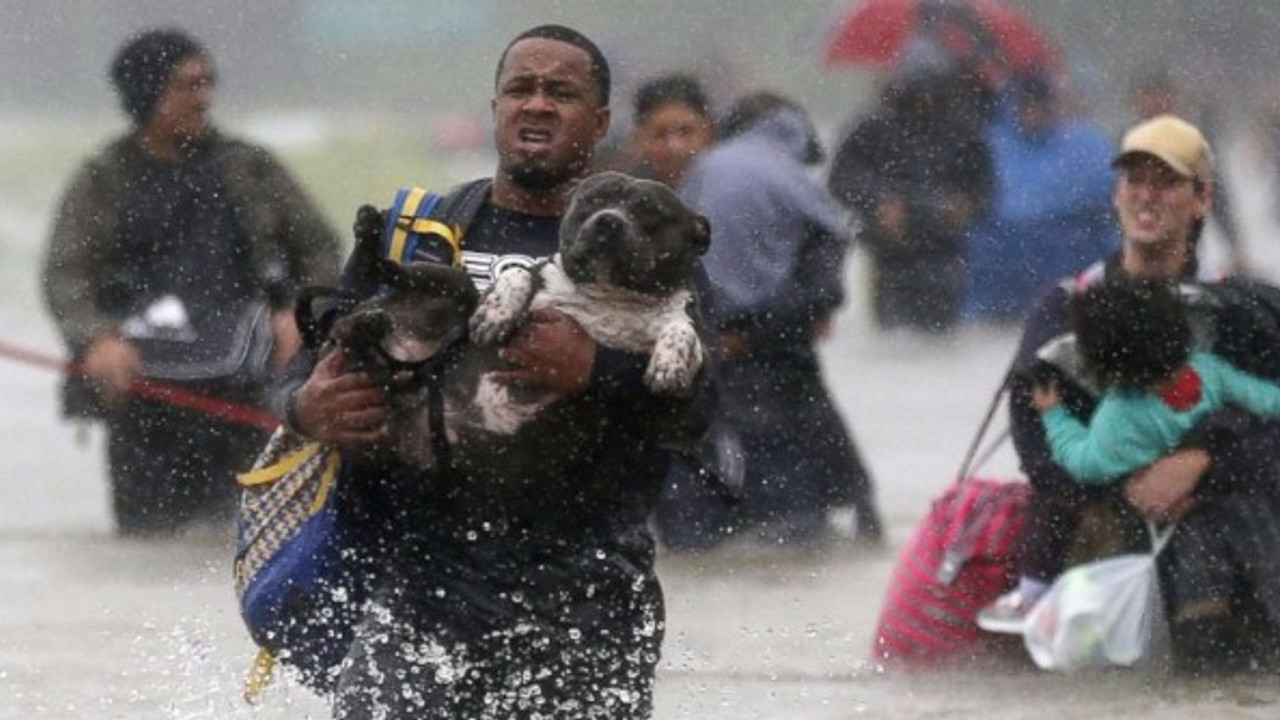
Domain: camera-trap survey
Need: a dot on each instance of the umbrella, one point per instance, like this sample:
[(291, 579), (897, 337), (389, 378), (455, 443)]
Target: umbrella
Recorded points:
[(986, 32)]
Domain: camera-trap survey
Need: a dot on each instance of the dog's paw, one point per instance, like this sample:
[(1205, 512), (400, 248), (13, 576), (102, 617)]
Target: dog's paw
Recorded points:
[(676, 360), (500, 308)]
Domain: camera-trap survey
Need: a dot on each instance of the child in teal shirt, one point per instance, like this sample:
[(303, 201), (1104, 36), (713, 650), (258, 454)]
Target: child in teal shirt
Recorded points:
[(1134, 338)]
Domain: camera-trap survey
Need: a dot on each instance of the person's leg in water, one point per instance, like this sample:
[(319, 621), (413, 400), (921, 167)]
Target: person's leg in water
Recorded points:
[(1197, 579), (691, 515), (785, 490), (147, 469), (1052, 518), (848, 482)]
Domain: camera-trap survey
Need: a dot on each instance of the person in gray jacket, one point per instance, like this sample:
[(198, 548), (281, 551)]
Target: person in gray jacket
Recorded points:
[(174, 255), (776, 266)]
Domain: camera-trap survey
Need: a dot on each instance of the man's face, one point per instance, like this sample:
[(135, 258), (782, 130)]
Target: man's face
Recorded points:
[(182, 109), (670, 136), (1157, 206), (548, 114)]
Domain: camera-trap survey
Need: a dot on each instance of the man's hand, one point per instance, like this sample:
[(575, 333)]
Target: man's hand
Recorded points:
[(1162, 491), (112, 363), (335, 406), (549, 352)]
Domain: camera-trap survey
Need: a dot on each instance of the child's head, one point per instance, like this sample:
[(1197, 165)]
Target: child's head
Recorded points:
[(1132, 332)]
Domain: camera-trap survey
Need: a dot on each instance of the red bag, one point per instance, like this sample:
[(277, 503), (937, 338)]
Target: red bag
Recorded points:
[(960, 558)]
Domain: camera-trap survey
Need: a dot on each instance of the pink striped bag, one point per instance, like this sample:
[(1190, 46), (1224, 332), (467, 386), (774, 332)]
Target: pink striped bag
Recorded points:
[(960, 558)]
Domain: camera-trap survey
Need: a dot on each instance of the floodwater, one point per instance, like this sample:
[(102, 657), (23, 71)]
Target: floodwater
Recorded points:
[(95, 627)]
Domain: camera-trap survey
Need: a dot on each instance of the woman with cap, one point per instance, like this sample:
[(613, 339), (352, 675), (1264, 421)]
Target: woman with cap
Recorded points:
[(173, 246), (1220, 572)]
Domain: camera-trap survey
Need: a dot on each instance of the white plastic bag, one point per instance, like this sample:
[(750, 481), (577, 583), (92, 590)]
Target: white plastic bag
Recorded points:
[(1098, 614)]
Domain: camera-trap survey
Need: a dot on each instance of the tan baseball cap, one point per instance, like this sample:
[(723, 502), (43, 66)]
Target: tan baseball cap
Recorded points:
[(1174, 141)]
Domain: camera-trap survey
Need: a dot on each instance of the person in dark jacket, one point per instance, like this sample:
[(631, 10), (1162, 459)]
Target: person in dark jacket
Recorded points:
[(776, 265), (1220, 572), (917, 176), (518, 601), (172, 250)]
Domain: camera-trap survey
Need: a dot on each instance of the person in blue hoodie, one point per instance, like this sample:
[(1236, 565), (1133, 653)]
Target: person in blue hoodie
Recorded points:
[(1051, 213), (776, 261)]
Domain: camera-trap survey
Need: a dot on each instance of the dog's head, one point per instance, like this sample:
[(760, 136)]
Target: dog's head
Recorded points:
[(631, 233), (419, 310)]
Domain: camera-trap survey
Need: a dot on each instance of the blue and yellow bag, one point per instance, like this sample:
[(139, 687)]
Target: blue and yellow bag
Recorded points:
[(296, 569), (301, 576)]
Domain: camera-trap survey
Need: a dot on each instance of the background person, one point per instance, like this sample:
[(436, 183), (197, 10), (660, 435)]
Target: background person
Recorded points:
[(776, 267), (175, 231), (917, 175), (1050, 215), (519, 601), (672, 122)]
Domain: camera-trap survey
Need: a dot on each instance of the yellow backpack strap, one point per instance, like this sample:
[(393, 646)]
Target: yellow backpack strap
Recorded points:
[(411, 233), (260, 674), (274, 471)]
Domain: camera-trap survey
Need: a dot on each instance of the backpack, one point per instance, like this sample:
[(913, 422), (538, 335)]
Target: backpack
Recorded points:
[(1246, 324), (960, 558), (300, 571)]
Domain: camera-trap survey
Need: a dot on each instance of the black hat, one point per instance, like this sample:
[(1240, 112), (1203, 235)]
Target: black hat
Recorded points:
[(142, 67)]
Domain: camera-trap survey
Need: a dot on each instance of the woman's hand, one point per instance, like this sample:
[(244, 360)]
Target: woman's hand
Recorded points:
[(1162, 491)]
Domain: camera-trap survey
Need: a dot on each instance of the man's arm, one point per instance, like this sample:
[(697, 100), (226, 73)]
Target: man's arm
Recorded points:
[(75, 262), (77, 257), (310, 245)]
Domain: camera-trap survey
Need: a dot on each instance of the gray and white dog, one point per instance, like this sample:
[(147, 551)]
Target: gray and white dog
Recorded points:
[(627, 247), (623, 271)]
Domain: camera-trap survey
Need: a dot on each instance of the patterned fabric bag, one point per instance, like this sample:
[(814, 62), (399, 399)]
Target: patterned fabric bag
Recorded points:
[(300, 575), (295, 567)]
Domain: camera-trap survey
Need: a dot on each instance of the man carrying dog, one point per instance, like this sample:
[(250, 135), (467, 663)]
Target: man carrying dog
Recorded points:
[(516, 601)]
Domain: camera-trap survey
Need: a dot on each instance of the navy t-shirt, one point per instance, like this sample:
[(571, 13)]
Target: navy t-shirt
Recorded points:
[(499, 238)]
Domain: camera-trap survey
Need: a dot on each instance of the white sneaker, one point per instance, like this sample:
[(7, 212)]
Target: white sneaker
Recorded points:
[(1007, 614)]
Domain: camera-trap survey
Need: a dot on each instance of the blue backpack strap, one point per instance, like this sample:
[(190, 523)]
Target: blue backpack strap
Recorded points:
[(411, 233)]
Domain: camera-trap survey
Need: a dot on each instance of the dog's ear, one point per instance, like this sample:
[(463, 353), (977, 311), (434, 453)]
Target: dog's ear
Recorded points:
[(430, 280), (441, 281), (702, 234), (367, 230)]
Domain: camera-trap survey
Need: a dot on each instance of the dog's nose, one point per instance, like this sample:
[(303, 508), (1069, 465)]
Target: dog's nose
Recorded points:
[(610, 227)]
